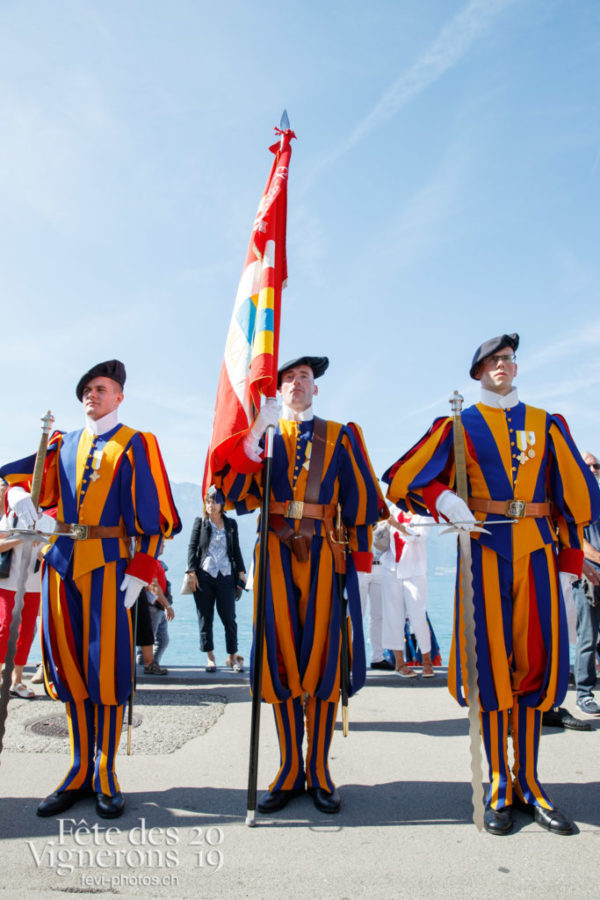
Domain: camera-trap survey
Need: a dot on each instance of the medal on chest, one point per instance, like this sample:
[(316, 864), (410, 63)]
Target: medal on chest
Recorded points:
[(95, 461), (525, 443)]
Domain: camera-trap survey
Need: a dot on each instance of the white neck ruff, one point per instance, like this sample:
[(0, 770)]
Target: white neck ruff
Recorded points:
[(499, 401), (305, 416), (101, 426)]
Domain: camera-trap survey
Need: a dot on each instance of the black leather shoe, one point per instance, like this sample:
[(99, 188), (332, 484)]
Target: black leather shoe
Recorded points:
[(552, 819), (498, 821), (60, 801), (559, 717), (384, 665), (110, 807), (273, 801), (324, 800)]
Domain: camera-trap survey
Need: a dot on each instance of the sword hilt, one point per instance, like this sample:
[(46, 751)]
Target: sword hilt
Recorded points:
[(40, 460)]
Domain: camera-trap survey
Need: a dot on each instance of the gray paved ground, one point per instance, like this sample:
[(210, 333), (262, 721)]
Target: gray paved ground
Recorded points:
[(404, 829)]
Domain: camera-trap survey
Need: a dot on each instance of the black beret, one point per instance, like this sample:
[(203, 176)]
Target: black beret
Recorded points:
[(112, 368), (491, 346), (318, 364)]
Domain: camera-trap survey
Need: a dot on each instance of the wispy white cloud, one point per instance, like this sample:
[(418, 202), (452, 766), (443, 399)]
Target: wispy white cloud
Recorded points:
[(426, 215), (449, 47), (569, 346)]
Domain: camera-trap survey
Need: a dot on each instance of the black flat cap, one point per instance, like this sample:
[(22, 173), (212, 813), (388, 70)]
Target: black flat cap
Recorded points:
[(491, 346), (318, 364), (112, 368)]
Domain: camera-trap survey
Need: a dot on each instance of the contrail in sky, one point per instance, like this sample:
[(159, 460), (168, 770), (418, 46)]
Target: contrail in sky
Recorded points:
[(449, 47)]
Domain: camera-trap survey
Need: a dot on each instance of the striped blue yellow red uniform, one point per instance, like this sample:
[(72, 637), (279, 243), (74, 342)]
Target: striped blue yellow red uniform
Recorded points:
[(302, 616), (114, 479), (527, 454)]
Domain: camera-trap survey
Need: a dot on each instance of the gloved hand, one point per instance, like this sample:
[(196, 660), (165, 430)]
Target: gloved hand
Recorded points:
[(45, 524), (132, 587), (268, 415), (455, 510), (22, 504)]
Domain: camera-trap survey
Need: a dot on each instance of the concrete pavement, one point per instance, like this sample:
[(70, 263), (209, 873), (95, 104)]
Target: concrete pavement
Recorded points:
[(404, 829)]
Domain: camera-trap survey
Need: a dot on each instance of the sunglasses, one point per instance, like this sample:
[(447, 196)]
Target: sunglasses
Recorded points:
[(595, 467)]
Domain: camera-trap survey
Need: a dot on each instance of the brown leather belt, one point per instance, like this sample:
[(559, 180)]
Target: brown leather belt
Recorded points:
[(90, 532), (307, 511), (513, 509), (298, 509)]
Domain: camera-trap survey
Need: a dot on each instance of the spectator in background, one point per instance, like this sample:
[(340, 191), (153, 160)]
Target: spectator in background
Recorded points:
[(31, 601), (404, 589), (160, 607), (217, 577), (587, 603), (370, 589)]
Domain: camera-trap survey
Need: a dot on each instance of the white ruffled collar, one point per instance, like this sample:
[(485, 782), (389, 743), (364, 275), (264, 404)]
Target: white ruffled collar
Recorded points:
[(101, 426), (499, 401), (305, 416)]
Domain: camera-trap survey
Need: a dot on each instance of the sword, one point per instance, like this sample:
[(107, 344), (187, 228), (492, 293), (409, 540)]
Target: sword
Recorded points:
[(453, 528), (340, 538), (133, 680), (466, 579), (29, 538)]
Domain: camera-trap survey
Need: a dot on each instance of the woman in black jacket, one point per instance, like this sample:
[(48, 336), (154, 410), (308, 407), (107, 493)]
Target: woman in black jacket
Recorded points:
[(217, 572)]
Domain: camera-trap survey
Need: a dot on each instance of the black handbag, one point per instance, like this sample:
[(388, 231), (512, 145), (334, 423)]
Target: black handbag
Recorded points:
[(5, 561)]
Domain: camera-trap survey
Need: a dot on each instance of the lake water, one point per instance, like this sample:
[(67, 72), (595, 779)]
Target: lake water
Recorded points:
[(184, 649)]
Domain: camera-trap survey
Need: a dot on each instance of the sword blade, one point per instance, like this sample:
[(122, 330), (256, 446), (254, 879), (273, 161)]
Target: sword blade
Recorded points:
[(466, 582), (466, 579)]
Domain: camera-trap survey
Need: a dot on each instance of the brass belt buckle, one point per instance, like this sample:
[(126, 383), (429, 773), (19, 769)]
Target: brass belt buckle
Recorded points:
[(78, 532), (294, 509), (515, 509)]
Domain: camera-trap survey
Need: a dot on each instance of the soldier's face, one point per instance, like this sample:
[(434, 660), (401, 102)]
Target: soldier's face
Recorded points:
[(498, 371), (101, 396), (298, 388)]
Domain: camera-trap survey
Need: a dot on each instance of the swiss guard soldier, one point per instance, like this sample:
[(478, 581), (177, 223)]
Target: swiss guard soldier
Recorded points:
[(522, 465), (112, 494), (317, 464)]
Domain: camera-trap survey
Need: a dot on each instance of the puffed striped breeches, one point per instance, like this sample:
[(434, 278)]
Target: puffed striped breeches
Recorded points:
[(522, 663), (520, 631), (87, 651)]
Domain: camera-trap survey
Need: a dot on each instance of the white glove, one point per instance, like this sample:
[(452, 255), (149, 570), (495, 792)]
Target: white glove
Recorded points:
[(566, 586), (452, 508), (132, 587), (408, 533), (22, 504), (45, 524), (268, 415)]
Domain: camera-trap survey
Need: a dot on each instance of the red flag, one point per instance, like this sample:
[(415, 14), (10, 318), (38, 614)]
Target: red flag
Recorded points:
[(252, 347)]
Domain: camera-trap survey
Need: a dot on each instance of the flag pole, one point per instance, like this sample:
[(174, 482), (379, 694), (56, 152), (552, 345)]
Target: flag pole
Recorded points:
[(261, 591), (259, 630)]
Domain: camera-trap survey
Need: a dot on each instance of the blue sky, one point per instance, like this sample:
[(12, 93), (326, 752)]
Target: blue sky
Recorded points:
[(443, 189)]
